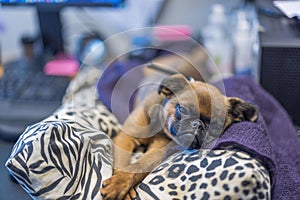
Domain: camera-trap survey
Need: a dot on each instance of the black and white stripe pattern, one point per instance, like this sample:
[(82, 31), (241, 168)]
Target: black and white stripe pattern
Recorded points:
[(67, 155), (64, 159)]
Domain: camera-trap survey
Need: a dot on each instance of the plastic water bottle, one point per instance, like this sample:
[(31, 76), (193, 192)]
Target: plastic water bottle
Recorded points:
[(243, 46), (217, 42)]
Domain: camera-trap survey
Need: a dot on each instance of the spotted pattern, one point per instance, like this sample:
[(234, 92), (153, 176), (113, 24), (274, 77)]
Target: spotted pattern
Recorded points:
[(204, 174)]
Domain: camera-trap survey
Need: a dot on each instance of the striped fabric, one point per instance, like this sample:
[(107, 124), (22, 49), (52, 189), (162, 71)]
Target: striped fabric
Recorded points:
[(65, 159), (67, 155)]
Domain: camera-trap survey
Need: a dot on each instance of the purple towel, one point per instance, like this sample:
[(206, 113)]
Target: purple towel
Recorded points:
[(273, 139), (119, 79), (111, 85)]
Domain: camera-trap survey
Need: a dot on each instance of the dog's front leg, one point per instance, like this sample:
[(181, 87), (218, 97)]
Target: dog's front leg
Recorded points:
[(134, 129), (117, 186), (139, 128), (121, 184), (124, 145)]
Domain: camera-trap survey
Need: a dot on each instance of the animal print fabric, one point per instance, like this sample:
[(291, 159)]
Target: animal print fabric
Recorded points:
[(69, 154), (205, 174)]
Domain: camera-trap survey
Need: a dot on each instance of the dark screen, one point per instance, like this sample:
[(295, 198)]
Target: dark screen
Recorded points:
[(48, 13)]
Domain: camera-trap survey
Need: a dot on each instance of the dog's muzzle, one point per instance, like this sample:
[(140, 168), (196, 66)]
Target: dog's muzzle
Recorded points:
[(189, 133)]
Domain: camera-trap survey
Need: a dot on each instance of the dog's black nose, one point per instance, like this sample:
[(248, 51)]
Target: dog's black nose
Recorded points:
[(196, 123)]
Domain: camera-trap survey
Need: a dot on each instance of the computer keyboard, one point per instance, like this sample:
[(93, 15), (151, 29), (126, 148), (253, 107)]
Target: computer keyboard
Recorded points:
[(26, 97)]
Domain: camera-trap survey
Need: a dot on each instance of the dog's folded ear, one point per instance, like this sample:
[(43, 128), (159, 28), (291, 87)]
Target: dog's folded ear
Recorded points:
[(172, 85), (240, 110)]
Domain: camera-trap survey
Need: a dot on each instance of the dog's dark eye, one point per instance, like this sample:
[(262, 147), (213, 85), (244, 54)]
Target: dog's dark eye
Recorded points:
[(179, 110)]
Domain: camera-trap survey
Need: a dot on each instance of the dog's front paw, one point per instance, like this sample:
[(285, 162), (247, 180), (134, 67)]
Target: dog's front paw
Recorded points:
[(117, 186), (131, 195)]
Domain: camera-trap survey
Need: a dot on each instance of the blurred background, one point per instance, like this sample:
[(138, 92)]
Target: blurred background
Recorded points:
[(43, 45)]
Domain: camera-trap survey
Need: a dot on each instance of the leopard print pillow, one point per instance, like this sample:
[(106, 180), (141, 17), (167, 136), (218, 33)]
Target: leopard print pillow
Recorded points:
[(206, 174)]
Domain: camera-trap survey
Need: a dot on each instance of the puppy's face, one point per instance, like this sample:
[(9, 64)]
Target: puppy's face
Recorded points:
[(196, 112)]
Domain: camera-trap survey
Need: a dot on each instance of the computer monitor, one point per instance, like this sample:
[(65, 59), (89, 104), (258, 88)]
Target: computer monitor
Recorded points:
[(48, 12)]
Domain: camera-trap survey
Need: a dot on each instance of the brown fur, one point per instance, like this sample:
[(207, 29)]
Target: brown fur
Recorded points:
[(205, 113)]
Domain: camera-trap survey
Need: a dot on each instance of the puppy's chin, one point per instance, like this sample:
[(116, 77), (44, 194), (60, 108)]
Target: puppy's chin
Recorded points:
[(185, 135)]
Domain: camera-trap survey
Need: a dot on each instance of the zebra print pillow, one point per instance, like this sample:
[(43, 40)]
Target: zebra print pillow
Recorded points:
[(67, 155)]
